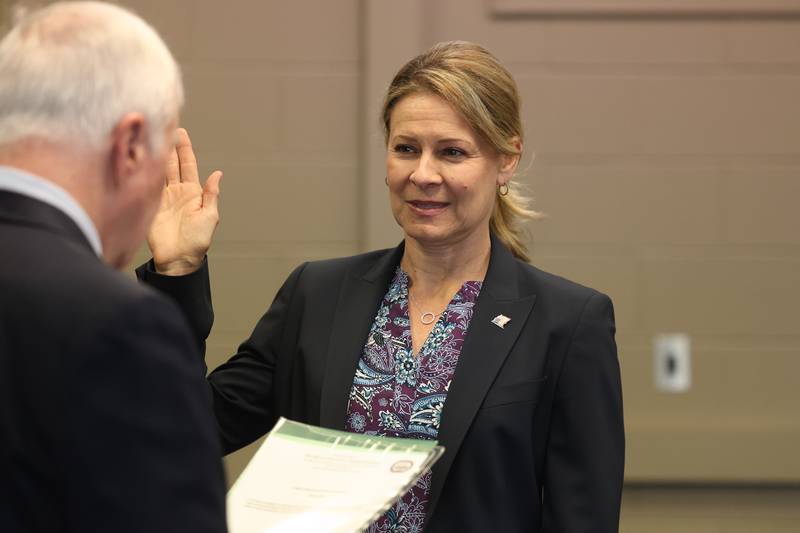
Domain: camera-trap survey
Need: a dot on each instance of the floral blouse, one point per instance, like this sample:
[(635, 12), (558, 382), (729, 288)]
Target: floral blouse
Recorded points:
[(396, 394)]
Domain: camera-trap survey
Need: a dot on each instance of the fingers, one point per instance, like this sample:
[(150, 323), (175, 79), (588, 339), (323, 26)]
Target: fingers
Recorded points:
[(173, 168), (186, 159), (211, 191)]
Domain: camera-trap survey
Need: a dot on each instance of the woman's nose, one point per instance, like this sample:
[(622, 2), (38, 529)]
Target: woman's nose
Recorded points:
[(426, 172)]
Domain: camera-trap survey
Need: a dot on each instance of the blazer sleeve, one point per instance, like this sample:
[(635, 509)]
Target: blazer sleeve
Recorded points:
[(242, 387), (191, 293), (586, 449), (244, 401), (142, 447)]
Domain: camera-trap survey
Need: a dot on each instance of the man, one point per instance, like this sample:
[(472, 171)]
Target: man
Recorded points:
[(105, 418)]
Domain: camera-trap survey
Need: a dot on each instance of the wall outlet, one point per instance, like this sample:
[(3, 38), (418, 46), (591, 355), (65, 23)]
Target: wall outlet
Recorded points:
[(673, 371)]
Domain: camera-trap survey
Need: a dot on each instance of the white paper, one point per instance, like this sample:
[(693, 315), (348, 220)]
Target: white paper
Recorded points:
[(304, 478)]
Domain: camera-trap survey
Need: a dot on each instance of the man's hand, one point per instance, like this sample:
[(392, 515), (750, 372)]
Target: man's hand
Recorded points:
[(182, 229)]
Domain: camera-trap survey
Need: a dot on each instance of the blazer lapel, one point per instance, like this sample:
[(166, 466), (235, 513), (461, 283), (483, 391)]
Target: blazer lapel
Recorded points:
[(482, 355), (358, 301)]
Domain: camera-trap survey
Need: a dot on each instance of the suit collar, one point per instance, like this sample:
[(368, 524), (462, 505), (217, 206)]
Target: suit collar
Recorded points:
[(502, 278), (19, 209), (18, 181), (383, 269)]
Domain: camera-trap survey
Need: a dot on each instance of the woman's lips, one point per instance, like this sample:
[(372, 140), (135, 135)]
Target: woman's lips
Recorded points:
[(427, 208)]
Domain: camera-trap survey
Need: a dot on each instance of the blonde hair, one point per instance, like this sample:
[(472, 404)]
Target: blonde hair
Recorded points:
[(474, 82)]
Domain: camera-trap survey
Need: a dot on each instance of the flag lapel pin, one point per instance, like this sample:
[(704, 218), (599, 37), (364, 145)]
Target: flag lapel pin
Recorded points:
[(500, 321)]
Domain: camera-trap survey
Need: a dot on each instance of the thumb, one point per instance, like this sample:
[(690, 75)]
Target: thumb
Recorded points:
[(211, 190)]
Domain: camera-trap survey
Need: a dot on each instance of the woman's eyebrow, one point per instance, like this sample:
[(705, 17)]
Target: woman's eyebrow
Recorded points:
[(405, 137), (454, 140)]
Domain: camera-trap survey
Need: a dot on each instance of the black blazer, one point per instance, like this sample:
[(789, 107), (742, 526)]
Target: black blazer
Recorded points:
[(532, 424), (105, 419)]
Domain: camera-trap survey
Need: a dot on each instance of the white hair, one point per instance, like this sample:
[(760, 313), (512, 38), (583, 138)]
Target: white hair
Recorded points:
[(70, 71)]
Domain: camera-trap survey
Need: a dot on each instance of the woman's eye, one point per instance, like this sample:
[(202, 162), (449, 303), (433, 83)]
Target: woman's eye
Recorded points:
[(453, 152), (404, 149)]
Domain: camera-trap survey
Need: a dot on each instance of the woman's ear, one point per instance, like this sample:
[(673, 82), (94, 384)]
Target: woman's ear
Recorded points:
[(509, 163)]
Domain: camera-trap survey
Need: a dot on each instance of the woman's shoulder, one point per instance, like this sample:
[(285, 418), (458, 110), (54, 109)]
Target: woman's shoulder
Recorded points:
[(562, 303), (510, 277), (349, 262), (558, 289), (332, 271), (357, 264)]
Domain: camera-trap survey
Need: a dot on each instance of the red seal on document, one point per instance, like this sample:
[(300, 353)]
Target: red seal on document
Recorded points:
[(403, 465)]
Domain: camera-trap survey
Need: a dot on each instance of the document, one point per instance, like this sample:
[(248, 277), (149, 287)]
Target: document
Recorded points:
[(306, 478)]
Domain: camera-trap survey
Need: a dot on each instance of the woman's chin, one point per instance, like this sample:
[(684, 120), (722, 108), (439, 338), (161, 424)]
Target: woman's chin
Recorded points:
[(432, 235), (425, 234)]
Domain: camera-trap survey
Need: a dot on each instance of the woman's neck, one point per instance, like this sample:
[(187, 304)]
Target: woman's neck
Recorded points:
[(439, 271)]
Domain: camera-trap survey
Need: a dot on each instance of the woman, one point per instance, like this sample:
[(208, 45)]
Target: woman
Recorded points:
[(450, 336)]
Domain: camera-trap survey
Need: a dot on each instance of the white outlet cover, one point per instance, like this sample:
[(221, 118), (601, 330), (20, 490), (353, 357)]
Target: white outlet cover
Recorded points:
[(672, 362)]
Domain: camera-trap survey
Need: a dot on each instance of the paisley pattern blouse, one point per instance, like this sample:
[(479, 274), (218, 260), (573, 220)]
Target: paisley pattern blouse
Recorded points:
[(398, 394)]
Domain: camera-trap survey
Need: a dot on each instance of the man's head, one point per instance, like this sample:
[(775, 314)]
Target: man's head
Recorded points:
[(89, 98)]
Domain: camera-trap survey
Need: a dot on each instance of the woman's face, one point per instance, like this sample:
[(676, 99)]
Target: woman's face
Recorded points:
[(442, 176)]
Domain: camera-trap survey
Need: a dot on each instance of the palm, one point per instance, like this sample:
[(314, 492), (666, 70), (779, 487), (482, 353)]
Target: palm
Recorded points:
[(184, 225)]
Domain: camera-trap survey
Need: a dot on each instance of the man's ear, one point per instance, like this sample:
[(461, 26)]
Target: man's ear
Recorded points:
[(128, 146), (509, 163)]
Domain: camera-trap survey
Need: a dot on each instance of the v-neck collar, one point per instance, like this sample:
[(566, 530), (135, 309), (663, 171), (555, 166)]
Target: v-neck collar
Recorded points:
[(400, 287)]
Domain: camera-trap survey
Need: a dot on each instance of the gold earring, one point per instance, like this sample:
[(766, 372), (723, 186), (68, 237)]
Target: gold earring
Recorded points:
[(502, 190)]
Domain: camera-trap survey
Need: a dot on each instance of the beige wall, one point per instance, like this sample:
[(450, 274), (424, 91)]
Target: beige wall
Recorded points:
[(5, 13), (667, 161), (272, 92)]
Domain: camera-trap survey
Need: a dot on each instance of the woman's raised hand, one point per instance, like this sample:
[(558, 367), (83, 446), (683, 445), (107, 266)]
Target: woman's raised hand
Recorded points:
[(182, 229)]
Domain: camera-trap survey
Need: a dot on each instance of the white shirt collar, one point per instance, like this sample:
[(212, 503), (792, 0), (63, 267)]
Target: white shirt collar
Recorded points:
[(20, 182)]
